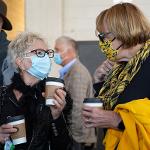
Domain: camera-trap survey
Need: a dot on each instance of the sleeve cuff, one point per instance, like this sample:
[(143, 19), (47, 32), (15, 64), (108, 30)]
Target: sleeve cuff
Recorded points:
[(58, 126)]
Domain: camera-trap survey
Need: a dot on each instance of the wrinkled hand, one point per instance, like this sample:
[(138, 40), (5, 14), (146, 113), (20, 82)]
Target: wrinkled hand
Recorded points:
[(59, 102), (97, 117), (5, 131), (102, 71)]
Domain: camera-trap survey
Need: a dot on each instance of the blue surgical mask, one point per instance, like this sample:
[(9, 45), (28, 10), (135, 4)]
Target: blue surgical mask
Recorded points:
[(40, 66), (57, 58)]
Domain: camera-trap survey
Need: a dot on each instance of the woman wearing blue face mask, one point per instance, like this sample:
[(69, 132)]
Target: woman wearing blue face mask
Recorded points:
[(45, 126)]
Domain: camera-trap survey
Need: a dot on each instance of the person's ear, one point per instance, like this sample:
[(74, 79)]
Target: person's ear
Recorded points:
[(19, 63)]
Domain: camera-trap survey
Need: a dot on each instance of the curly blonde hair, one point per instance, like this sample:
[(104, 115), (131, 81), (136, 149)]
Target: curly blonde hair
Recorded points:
[(21, 43)]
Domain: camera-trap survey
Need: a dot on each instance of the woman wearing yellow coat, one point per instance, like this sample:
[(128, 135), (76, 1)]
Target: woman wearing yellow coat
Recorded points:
[(124, 37)]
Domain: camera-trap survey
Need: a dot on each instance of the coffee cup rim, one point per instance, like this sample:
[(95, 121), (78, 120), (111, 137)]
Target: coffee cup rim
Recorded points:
[(92, 100), (15, 118), (54, 79)]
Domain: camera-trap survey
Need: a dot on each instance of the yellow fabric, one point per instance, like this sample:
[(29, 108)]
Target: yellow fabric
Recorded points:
[(121, 76), (136, 136)]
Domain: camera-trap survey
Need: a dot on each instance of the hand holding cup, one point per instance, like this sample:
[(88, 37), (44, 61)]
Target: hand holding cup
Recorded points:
[(5, 131), (59, 103), (90, 108), (95, 116), (52, 84), (18, 122)]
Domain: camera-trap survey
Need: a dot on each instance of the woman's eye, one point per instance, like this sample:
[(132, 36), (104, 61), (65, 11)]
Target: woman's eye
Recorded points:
[(40, 52)]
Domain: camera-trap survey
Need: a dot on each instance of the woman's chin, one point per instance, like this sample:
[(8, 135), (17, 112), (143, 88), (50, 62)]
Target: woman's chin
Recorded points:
[(30, 80)]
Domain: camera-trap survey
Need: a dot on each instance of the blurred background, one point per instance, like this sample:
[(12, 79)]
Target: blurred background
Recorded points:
[(74, 18)]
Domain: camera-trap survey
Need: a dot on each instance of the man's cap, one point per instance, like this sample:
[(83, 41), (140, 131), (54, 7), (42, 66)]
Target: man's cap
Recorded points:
[(3, 11)]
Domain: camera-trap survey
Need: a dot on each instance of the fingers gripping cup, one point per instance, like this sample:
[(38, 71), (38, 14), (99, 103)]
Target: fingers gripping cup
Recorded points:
[(18, 122), (52, 84), (93, 102)]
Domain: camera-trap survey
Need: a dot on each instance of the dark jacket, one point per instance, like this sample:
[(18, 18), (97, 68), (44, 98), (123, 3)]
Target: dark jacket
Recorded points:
[(3, 52), (41, 129), (138, 87)]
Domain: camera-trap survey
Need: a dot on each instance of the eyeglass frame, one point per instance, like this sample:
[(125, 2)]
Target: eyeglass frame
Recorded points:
[(45, 52), (102, 36)]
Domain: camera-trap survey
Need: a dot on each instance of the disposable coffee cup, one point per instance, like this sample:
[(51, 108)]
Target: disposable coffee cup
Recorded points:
[(93, 102), (52, 84), (18, 122)]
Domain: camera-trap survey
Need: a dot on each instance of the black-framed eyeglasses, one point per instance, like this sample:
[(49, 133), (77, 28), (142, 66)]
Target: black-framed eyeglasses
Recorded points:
[(42, 52), (103, 35)]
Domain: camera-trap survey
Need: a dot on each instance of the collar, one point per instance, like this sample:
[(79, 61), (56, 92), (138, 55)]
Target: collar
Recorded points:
[(66, 68), (27, 91), (18, 84), (3, 37)]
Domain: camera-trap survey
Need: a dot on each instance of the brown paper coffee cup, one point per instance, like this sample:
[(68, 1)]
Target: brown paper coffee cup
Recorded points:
[(52, 84), (18, 122)]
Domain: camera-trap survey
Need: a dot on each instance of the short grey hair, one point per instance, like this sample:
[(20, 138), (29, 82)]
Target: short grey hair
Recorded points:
[(69, 41), (21, 43)]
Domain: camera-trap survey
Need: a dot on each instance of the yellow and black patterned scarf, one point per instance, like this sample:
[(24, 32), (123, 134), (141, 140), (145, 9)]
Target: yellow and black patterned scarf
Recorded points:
[(121, 76)]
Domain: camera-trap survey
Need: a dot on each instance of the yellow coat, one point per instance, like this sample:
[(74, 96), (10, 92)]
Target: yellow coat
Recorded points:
[(136, 136)]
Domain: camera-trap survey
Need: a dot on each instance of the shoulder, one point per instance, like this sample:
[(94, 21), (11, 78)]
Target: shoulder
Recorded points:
[(78, 74), (80, 68), (145, 66), (147, 61), (139, 85)]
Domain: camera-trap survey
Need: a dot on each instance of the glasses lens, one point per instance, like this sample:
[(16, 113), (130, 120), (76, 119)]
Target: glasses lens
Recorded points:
[(101, 36), (40, 53), (108, 35), (50, 53)]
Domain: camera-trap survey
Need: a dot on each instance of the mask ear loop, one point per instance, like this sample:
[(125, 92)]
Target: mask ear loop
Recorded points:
[(119, 46), (113, 39)]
